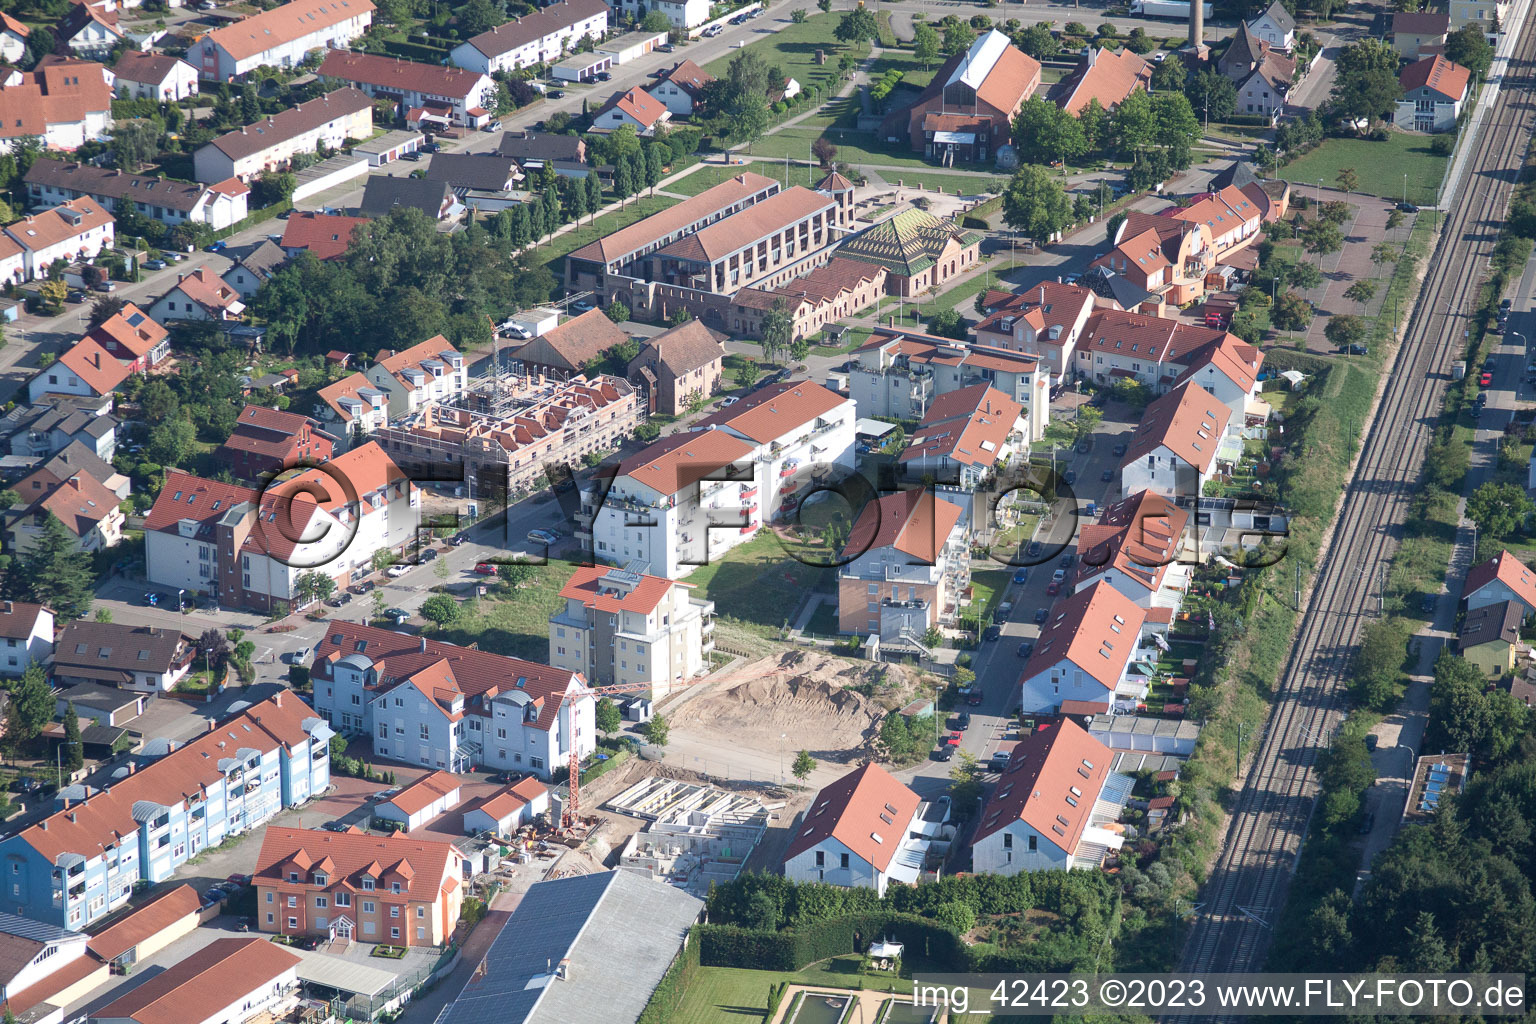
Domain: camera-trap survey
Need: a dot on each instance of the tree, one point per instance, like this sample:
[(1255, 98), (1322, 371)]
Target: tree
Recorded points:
[(948, 323), (32, 705), (594, 194), (1335, 211), (955, 916), (1362, 292), (616, 311), (54, 291), (857, 26), (623, 181), (803, 766), (170, 442), (1036, 203), (515, 574), (1037, 41), (799, 349), (105, 308), (746, 374), (1345, 331), (656, 731), (73, 754), (927, 47), (55, 572), (1044, 132), (798, 15), (1212, 94), (825, 152), (135, 142), (958, 36), (607, 717), (1383, 253), (1174, 125), (1291, 312), (657, 21), (965, 782), (1347, 180), (1169, 76), (1365, 84), (1498, 509), (824, 5), (777, 329), (1468, 46), (1323, 237), (441, 610), (479, 16), (1132, 123), (1302, 275)]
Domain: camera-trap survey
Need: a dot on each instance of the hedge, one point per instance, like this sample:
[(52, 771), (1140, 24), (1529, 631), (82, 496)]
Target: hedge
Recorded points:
[(977, 218), (674, 984), (603, 767), (254, 217), (418, 51), (723, 945), (1246, 121)]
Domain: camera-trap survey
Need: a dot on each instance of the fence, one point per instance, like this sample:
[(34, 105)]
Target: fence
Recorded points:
[(405, 988)]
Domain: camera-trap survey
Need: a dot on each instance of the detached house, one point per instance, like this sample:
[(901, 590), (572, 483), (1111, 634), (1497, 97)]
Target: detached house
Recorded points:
[(1502, 578), (200, 295), (1433, 92), (324, 236), (908, 562), (1136, 547), (27, 634), (1176, 447), (86, 369), (63, 102), (1262, 74), (351, 885), (88, 32), (863, 831), (156, 76), (145, 659), (77, 499), (1084, 653), (1275, 26), (1416, 34), (132, 338), (677, 365), (13, 39), (266, 441), (1056, 805), (681, 89), (636, 108)]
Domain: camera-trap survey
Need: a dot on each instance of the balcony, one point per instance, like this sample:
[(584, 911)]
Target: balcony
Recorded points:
[(747, 493)]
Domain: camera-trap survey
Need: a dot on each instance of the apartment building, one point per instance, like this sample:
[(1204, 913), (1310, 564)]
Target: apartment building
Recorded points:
[(1232, 219), (279, 38), (1045, 322), (53, 422), (677, 366), (1179, 445), (837, 289), (909, 557), (1488, 15), (898, 374), (351, 885), (432, 371), (81, 863), (163, 199), (684, 14), (964, 438), (1052, 805), (269, 144), (27, 633), (447, 91), (78, 229), (440, 706), (64, 102), (267, 441), (1137, 546), (500, 437), (618, 627), (247, 548), (1151, 350), (1085, 653), (352, 407), (542, 37), (692, 496), (862, 831)]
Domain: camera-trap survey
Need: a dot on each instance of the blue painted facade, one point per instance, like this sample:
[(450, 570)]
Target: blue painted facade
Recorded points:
[(81, 863)]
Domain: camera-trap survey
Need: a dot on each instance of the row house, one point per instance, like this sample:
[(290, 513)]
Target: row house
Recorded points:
[(1086, 652), (430, 372), (63, 102), (448, 92), (898, 374), (1231, 218), (1045, 321), (684, 14), (1055, 805), (54, 422), (352, 886), (267, 441), (908, 561), (542, 37), (78, 229), (280, 38), (166, 200), (618, 627), (352, 407), (863, 831), (433, 704), (82, 862), (1138, 346), (1179, 445), (838, 289), (326, 121), (687, 499), (247, 548)]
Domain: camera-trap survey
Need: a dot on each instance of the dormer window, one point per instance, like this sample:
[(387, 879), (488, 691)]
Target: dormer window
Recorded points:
[(367, 884), (394, 887), (320, 879), (293, 876)]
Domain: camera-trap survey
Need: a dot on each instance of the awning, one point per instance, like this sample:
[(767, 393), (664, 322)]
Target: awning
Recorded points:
[(955, 138), (341, 974)]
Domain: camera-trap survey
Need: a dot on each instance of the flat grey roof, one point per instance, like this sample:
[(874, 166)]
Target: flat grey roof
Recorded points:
[(389, 140), (872, 428), (341, 974)]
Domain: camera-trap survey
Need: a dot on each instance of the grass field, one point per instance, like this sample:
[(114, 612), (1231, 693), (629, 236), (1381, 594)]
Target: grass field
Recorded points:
[(729, 995), (514, 623), (1380, 166), (793, 48), (710, 175), (759, 582), (554, 252)]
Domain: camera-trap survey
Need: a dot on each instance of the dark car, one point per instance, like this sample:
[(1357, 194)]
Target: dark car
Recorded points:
[(1367, 823), (1407, 208), (1022, 576), (75, 295), (974, 697), (1070, 477), (1034, 549), (1026, 648), (992, 633), (1372, 741), (412, 156), (1041, 614), (963, 721), (458, 539), (335, 826), (1118, 450), (554, 94), (604, 76), (1427, 603), (1107, 476), (339, 599), (1066, 560), (362, 588), (26, 785), (1353, 350), (428, 554), (1506, 303), (944, 753)]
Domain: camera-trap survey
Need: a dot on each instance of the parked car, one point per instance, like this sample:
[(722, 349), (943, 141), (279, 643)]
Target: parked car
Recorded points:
[(104, 286), (1053, 588), (412, 156), (362, 588), (155, 264), (1001, 613), (713, 31), (1033, 550), (1070, 477), (1427, 603), (240, 880), (974, 697), (1372, 741), (339, 599), (515, 330), (1118, 450), (458, 539), (1059, 576), (173, 255), (494, 126), (335, 826), (1026, 648), (554, 94), (963, 721), (399, 615), (604, 76), (1407, 208), (665, 48), (218, 246), (1022, 576), (1485, 380), (26, 785), (542, 536), (991, 633), (945, 751), (1367, 823), (1041, 614), (74, 295), (1353, 350), (397, 570), (485, 568), (728, 401)]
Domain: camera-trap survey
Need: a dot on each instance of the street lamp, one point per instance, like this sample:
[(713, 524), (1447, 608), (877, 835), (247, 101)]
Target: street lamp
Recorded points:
[(782, 737)]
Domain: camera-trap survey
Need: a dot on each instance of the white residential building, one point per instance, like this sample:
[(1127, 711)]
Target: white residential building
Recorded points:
[(280, 37), (269, 144), (75, 230), (1275, 26), (432, 371), (1052, 805), (64, 102), (433, 704), (966, 436), (1433, 91), (434, 793), (683, 14), (447, 91), (863, 831), (1085, 653), (353, 406), (27, 631), (1045, 321), (1136, 546), (13, 39), (910, 559), (155, 76), (542, 37), (619, 627), (1502, 578), (166, 200), (1179, 444)]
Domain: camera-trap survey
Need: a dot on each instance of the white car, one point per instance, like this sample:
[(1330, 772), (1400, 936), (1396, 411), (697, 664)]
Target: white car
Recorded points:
[(397, 570), (728, 400), (516, 330)]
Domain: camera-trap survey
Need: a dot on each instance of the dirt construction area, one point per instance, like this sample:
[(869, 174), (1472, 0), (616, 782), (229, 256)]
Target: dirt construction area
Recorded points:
[(751, 723)]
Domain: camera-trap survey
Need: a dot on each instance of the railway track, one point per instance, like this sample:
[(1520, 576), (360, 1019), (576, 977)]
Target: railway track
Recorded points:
[(1247, 889)]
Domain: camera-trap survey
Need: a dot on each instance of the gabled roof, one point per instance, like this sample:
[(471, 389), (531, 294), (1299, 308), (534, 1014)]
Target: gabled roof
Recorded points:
[(209, 291), (505, 802), (204, 983), (421, 864), (639, 105), (573, 344), (970, 425), (285, 24), (1224, 211), (355, 388), (682, 349), (383, 193), (1244, 52), (188, 497), (1279, 17), (1000, 74), (425, 791), (117, 645), (399, 76), (908, 243), (435, 349), (1095, 629), (1508, 570), (683, 459), (147, 68), (1491, 622), (93, 364), (485, 171), (1228, 355), (866, 810), (531, 146), (294, 121), (146, 189), (11, 25), (1049, 306), (325, 235), (1142, 336), (143, 922), (266, 432), (131, 329), (689, 77), (79, 500), (1051, 782), (769, 413), (17, 619), (746, 227), (59, 91), (704, 207), (263, 261), (1188, 421), (65, 221), (530, 28), (1438, 75), (1103, 75), (1138, 536), (1421, 23), (913, 522)]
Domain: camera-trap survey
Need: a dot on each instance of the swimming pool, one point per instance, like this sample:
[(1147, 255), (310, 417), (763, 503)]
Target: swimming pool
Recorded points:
[(819, 1008), (896, 1011)]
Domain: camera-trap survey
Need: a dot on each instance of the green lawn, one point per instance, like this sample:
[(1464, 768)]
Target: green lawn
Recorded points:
[(793, 48), (758, 584), (730, 995), (514, 623), (857, 148), (710, 175), (1380, 166), (554, 252), (913, 72)]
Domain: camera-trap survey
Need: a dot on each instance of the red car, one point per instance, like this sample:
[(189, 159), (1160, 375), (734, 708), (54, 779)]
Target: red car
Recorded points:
[(1486, 380), (485, 568), (1053, 589)]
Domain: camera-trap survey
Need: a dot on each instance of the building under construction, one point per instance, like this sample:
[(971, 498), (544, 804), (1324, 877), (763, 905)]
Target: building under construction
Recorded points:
[(505, 428), (697, 835)]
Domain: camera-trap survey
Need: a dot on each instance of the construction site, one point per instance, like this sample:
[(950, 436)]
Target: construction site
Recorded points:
[(697, 835), (506, 426)]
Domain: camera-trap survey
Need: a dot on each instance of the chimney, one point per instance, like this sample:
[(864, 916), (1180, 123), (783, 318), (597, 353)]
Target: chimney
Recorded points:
[(277, 699), (132, 767), (242, 129), (423, 645), (74, 481), (66, 807), (1196, 25)]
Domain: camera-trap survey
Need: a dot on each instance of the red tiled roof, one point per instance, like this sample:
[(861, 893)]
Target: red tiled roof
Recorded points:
[(94, 365), (325, 235), (1188, 421), (266, 432), (866, 810), (209, 291), (281, 25), (1138, 536), (148, 68), (689, 77), (970, 426), (1229, 355), (1104, 75), (420, 864), (769, 413), (1051, 782), (62, 91), (586, 586), (674, 219), (399, 75), (679, 460), (144, 921), (913, 522), (1437, 74), (1226, 210), (132, 329), (424, 791), (638, 104), (204, 983), (505, 801), (185, 496), (1508, 570), (1095, 629)]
